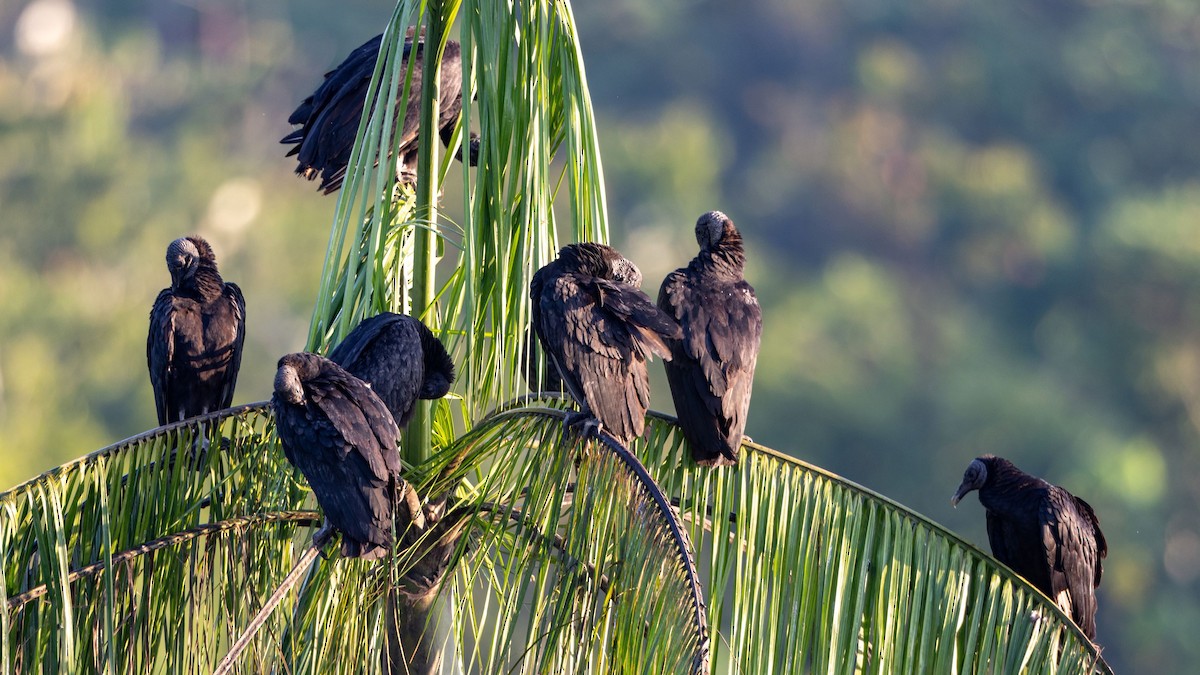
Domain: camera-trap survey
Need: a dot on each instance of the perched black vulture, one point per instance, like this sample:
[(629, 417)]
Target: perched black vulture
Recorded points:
[(329, 117), (197, 327), (343, 439), (400, 358), (598, 329), (1044, 533), (712, 366)]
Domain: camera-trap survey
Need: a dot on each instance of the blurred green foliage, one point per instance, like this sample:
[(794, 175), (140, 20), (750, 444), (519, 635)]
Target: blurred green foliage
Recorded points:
[(974, 227)]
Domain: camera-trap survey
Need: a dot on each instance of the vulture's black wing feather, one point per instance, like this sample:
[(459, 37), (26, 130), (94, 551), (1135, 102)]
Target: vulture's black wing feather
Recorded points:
[(599, 334), (234, 321), (329, 118), (400, 357), (1072, 555), (712, 372), (160, 352)]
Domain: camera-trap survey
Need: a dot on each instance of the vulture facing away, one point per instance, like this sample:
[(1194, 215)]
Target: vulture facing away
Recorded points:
[(1044, 533), (711, 369), (598, 328), (329, 118), (400, 358), (343, 439), (197, 327)]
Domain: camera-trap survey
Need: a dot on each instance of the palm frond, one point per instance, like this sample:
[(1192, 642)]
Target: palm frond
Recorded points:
[(807, 571), (142, 556), (577, 562)]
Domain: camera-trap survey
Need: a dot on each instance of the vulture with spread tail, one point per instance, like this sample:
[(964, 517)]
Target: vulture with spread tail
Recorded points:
[(329, 117), (598, 329)]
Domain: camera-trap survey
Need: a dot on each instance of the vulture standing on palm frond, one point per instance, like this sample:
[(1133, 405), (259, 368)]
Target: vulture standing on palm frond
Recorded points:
[(711, 370), (329, 118), (197, 327), (1044, 533), (343, 439), (400, 358), (598, 328)]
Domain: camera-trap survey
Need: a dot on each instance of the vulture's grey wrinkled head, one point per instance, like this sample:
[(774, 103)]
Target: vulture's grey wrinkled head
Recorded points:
[(624, 271), (288, 385), (973, 479), (710, 229), (183, 257)]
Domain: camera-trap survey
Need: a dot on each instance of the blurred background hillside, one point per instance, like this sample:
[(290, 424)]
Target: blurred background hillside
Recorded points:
[(974, 226)]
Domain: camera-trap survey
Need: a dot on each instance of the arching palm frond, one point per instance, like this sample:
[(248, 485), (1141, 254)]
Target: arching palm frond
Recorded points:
[(808, 572), (142, 556)]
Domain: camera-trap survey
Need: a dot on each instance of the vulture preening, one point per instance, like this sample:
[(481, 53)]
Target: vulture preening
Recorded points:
[(598, 328), (400, 358), (197, 327), (343, 439), (329, 118), (711, 369), (1044, 533)]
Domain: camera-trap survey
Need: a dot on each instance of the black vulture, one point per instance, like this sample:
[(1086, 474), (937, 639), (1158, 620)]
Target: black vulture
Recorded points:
[(711, 369), (197, 327), (598, 329), (343, 439), (400, 358), (1044, 533), (329, 117)]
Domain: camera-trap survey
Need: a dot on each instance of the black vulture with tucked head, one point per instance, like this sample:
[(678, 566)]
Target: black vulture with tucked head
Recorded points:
[(197, 327), (343, 439), (400, 358), (711, 370), (1044, 533), (598, 328), (329, 118)]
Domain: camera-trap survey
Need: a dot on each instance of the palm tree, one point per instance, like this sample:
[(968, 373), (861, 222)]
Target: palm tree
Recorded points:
[(541, 551)]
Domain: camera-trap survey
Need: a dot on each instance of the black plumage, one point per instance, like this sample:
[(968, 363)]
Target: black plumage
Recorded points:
[(343, 439), (599, 328), (400, 358), (711, 371), (1044, 533), (197, 327), (329, 118)]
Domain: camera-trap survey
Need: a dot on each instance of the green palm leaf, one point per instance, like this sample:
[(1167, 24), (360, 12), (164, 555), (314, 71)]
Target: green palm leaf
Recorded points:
[(810, 572)]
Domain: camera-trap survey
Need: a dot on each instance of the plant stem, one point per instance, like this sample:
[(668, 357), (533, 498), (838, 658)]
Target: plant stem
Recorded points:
[(417, 438)]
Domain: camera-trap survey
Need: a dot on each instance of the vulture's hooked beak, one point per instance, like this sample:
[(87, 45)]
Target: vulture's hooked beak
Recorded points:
[(959, 494)]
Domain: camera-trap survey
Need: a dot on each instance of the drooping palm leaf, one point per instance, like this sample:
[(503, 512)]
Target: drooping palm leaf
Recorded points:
[(810, 572), (169, 534)]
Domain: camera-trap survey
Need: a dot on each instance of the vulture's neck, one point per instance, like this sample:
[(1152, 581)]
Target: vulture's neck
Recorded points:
[(1008, 480), (726, 260), (207, 282)]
